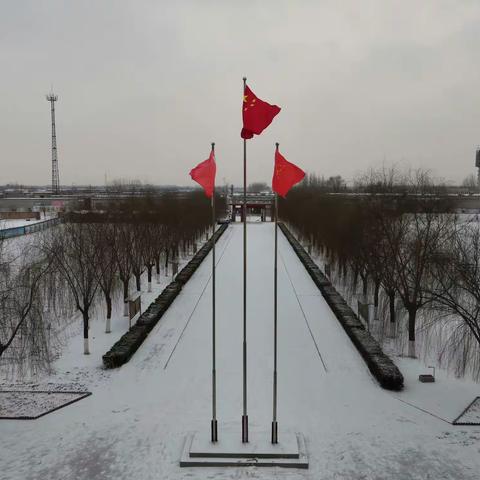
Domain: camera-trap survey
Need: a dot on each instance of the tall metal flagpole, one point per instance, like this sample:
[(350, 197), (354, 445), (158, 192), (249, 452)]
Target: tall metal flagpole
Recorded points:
[(245, 413), (213, 426), (274, 420)]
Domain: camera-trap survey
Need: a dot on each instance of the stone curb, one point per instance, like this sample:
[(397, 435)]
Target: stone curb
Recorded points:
[(381, 366), (128, 344)]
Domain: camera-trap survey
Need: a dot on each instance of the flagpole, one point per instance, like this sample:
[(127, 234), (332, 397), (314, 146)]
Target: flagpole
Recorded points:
[(274, 420), (213, 426), (245, 412)]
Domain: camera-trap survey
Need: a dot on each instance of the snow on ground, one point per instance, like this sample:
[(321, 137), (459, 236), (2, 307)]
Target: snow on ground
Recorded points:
[(446, 398), (23, 222), (32, 404), (134, 423), (471, 415)]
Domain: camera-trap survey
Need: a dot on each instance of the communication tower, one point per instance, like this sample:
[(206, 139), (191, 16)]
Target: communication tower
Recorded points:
[(52, 98)]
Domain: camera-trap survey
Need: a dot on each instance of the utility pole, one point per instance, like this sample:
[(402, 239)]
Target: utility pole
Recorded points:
[(52, 98)]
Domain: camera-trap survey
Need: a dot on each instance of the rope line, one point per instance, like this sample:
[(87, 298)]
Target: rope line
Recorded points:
[(198, 301), (303, 313)]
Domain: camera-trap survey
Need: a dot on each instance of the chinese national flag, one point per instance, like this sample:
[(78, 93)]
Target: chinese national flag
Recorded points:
[(285, 175), (257, 114), (204, 174)]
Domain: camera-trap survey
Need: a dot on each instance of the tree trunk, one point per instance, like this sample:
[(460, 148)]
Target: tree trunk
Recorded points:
[(108, 300), (157, 268), (138, 281), (365, 287), (149, 275), (355, 280), (86, 349), (412, 316), (391, 305), (376, 298), (125, 297), (167, 255), (376, 294)]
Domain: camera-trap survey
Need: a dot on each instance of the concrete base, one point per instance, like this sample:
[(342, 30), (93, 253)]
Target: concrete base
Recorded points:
[(229, 451)]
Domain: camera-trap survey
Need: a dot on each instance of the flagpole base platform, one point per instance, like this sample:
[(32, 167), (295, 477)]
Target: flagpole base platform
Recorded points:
[(229, 451)]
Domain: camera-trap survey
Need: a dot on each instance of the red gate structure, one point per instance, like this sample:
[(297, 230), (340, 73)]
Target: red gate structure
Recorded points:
[(257, 204)]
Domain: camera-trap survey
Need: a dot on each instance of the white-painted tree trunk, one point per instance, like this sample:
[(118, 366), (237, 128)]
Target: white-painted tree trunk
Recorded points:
[(411, 348), (108, 325), (125, 309), (86, 349), (157, 275)]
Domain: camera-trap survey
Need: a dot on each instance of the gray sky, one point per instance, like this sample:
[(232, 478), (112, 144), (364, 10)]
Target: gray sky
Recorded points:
[(145, 86)]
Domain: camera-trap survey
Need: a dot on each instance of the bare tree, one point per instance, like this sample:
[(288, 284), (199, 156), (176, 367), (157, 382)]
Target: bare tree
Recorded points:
[(137, 236), (389, 282), (336, 184), (105, 242), (158, 246), (412, 242), (457, 278), (20, 303), (470, 182), (73, 251), (123, 258), (149, 250)]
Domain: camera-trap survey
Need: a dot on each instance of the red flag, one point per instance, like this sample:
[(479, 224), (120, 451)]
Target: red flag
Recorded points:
[(204, 174), (285, 175), (257, 114)]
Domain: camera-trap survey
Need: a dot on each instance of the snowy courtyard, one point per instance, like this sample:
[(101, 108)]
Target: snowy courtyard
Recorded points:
[(134, 424)]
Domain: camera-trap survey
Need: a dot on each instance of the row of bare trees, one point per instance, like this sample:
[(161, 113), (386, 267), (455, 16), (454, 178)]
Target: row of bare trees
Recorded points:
[(409, 249), (84, 262)]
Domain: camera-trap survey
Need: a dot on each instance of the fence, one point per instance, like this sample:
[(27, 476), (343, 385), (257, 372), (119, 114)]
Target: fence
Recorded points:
[(35, 227)]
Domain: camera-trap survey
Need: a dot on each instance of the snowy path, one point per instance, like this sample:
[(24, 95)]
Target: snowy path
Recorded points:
[(134, 423)]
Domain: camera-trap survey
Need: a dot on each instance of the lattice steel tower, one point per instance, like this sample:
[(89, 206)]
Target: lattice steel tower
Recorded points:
[(52, 98), (477, 164)]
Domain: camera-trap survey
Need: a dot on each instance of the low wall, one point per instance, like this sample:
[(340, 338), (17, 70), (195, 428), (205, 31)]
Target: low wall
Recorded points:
[(123, 349), (381, 366), (32, 228)]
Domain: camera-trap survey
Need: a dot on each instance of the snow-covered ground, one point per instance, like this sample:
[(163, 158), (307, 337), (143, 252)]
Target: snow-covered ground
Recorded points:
[(23, 222), (134, 423)]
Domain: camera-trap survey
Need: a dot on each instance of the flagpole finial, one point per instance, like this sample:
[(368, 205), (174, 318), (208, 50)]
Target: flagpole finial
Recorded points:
[(213, 145), (277, 144)]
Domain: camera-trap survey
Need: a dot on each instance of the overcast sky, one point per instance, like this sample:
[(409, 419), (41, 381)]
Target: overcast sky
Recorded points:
[(145, 86)]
